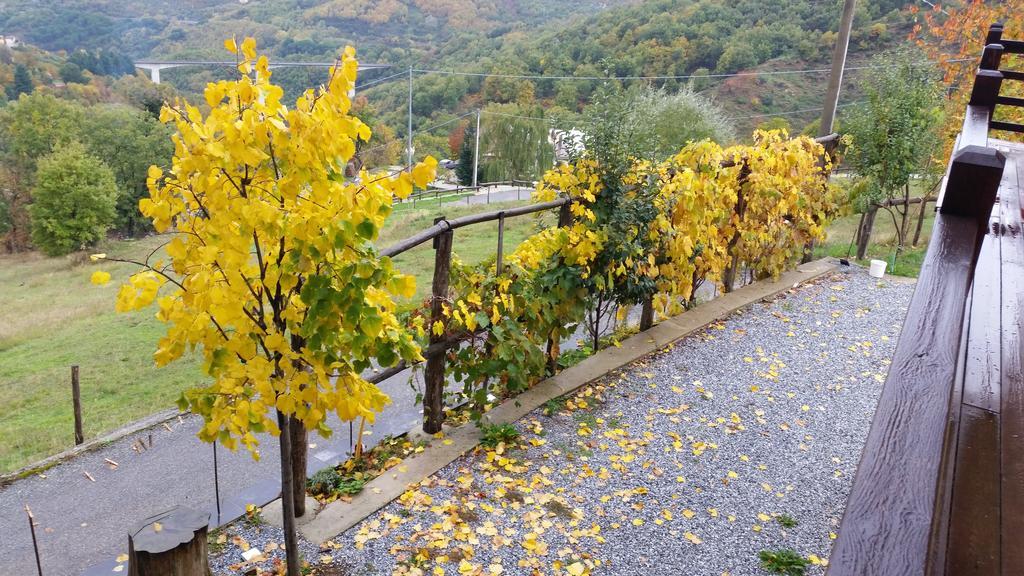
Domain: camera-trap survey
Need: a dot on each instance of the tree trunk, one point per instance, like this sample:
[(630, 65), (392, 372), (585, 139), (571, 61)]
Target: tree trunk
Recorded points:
[(291, 540), (729, 275), (864, 235), (299, 448), (920, 221), (904, 217), (176, 548), (647, 313), (808, 252)]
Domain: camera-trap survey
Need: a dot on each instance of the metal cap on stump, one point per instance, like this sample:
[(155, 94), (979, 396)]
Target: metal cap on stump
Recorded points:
[(172, 543)]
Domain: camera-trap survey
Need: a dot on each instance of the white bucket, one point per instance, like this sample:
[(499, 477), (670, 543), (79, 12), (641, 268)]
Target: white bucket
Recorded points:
[(877, 268)]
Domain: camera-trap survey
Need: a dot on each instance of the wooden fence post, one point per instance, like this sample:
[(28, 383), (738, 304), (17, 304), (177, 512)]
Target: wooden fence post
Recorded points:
[(76, 399), (499, 265), (433, 395), (564, 221), (35, 542)]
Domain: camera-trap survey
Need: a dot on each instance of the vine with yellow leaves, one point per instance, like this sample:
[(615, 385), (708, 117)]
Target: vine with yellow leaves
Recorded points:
[(709, 213)]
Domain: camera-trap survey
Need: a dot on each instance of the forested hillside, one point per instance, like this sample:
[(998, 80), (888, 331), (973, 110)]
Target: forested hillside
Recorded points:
[(703, 38), (762, 61), (382, 28)]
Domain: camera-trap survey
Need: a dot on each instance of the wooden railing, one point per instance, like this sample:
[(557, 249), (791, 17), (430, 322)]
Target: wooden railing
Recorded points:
[(895, 521), (990, 77), (441, 233)]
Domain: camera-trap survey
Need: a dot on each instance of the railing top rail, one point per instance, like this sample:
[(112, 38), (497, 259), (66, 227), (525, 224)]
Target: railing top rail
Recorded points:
[(445, 225)]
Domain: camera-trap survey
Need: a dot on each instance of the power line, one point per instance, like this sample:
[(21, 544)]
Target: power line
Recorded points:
[(791, 112), (671, 77), (379, 80), (427, 129)]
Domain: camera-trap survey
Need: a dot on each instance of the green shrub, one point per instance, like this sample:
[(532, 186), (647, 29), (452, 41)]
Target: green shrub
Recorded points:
[(494, 434), (323, 482), (786, 521), (73, 201), (783, 561)]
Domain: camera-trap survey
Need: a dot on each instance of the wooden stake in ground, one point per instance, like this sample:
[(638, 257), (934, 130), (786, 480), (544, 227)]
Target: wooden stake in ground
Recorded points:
[(35, 543), (291, 539), (433, 395), (76, 398)]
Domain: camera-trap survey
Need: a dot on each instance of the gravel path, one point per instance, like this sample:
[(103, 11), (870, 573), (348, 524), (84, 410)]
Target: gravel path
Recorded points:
[(691, 461)]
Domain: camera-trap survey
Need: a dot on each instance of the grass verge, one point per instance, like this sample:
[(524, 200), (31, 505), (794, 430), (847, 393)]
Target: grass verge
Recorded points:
[(840, 235), (53, 318)]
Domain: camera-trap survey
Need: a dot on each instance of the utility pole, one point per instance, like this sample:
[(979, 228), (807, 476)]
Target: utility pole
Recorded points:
[(835, 79), (476, 149), (409, 143)]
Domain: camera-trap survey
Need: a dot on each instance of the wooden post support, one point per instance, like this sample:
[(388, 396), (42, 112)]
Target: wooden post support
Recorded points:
[(299, 445), (995, 33), (172, 543), (564, 221), (972, 183), (76, 399), (499, 265), (986, 88), (433, 395), (991, 57), (35, 542)]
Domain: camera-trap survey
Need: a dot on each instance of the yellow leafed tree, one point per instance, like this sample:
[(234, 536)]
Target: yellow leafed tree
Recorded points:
[(273, 274)]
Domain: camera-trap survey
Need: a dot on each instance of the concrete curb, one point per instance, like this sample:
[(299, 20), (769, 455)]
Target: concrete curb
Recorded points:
[(338, 516), (98, 442)]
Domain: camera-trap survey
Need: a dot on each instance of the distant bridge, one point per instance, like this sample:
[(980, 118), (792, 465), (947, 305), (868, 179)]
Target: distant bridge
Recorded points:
[(155, 66)]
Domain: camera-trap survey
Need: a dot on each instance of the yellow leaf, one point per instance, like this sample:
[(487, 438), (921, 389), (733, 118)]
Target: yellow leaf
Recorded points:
[(100, 277), (122, 558), (424, 172), (249, 48), (95, 257)]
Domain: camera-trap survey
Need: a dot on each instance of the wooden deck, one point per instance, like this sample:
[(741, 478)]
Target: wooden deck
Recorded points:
[(940, 486), (986, 468)]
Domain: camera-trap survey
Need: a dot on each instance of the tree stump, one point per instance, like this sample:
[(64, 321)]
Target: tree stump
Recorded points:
[(172, 543)]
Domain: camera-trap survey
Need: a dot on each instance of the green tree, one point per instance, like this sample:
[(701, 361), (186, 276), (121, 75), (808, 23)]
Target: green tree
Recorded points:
[(72, 202), (675, 119), (464, 170), (22, 83), (514, 140), (71, 72), (894, 134), (129, 141), (617, 137), (30, 127)]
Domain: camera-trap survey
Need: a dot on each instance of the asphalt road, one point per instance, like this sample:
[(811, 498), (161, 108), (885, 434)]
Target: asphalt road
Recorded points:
[(82, 523)]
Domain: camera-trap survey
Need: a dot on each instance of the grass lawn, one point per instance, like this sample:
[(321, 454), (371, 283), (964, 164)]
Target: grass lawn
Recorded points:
[(883, 241), (53, 317)]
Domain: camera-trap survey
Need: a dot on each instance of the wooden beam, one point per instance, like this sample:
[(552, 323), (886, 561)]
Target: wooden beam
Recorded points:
[(433, 395)]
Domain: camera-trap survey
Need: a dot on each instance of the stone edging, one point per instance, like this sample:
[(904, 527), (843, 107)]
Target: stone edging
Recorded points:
[(98, 442), (339, 516)]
